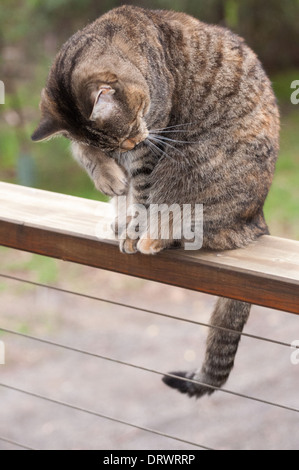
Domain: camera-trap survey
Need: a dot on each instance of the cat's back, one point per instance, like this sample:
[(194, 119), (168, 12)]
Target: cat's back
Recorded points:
[(209, 63), (206, 73), (221, 84)]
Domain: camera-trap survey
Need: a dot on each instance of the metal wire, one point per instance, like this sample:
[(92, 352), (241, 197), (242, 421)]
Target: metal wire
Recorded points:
[(91, 354), (14, 443), (146, 369), (104, 416), (144, 310)]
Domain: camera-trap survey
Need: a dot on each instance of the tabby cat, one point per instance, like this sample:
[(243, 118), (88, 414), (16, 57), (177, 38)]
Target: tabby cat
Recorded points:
[(166, 109)]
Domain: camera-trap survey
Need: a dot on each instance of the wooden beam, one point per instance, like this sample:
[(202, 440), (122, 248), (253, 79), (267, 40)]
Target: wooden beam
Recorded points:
[(78, 230)]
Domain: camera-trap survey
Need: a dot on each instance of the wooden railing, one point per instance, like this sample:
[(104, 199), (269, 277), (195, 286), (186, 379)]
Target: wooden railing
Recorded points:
[(265, 273)]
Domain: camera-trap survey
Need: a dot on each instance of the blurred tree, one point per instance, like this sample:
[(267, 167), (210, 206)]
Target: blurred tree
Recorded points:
[(271, 29), (39, 27)]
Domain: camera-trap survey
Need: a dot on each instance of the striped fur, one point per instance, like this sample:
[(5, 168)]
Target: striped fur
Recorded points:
[(220, 353), (166, 109)]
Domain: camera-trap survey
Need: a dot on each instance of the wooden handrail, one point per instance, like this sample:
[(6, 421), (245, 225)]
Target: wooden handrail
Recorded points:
[(78, 230)]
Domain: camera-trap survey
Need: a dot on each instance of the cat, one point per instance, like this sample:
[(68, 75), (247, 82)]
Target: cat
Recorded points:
[(166, 109)]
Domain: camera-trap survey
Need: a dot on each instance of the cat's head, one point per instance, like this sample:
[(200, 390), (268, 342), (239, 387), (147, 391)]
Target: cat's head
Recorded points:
[(95, 100)]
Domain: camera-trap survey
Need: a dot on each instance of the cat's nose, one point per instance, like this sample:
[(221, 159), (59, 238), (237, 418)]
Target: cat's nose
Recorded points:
[(128, 144)]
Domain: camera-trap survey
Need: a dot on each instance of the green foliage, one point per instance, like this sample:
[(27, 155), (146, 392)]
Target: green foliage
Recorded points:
[(43, 269), (282, 208), (231, 8)]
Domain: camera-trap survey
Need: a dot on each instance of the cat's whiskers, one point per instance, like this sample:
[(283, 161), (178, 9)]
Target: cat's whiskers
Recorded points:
[(168, 139), (119, 157), (156, 151), (175, 131), (172, 127), (160, 151), (163, 142)]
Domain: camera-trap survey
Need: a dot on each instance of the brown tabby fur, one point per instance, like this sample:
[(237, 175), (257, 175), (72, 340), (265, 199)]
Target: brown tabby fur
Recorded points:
[(167, 109)]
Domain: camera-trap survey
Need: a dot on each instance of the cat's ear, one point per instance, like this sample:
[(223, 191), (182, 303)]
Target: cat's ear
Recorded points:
[(105, 105), (47, 128)]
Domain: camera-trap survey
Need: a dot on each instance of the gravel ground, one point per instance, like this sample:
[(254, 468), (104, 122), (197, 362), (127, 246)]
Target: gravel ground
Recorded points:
[(221, 421)]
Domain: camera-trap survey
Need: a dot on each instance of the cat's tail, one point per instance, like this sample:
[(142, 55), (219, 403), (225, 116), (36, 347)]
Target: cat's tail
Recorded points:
[(221, 349)]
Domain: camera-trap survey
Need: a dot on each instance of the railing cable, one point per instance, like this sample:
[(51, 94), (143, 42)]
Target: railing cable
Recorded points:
[(144, 310), (101, 415), (154, 371), (15, 443)]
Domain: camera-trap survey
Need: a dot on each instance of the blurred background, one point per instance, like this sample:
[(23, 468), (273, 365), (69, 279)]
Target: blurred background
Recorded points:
[(31, 33)]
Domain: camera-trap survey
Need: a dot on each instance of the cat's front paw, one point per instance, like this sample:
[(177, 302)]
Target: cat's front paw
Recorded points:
[(144, 245), (128, 246), (111, 180), (149, 246)]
